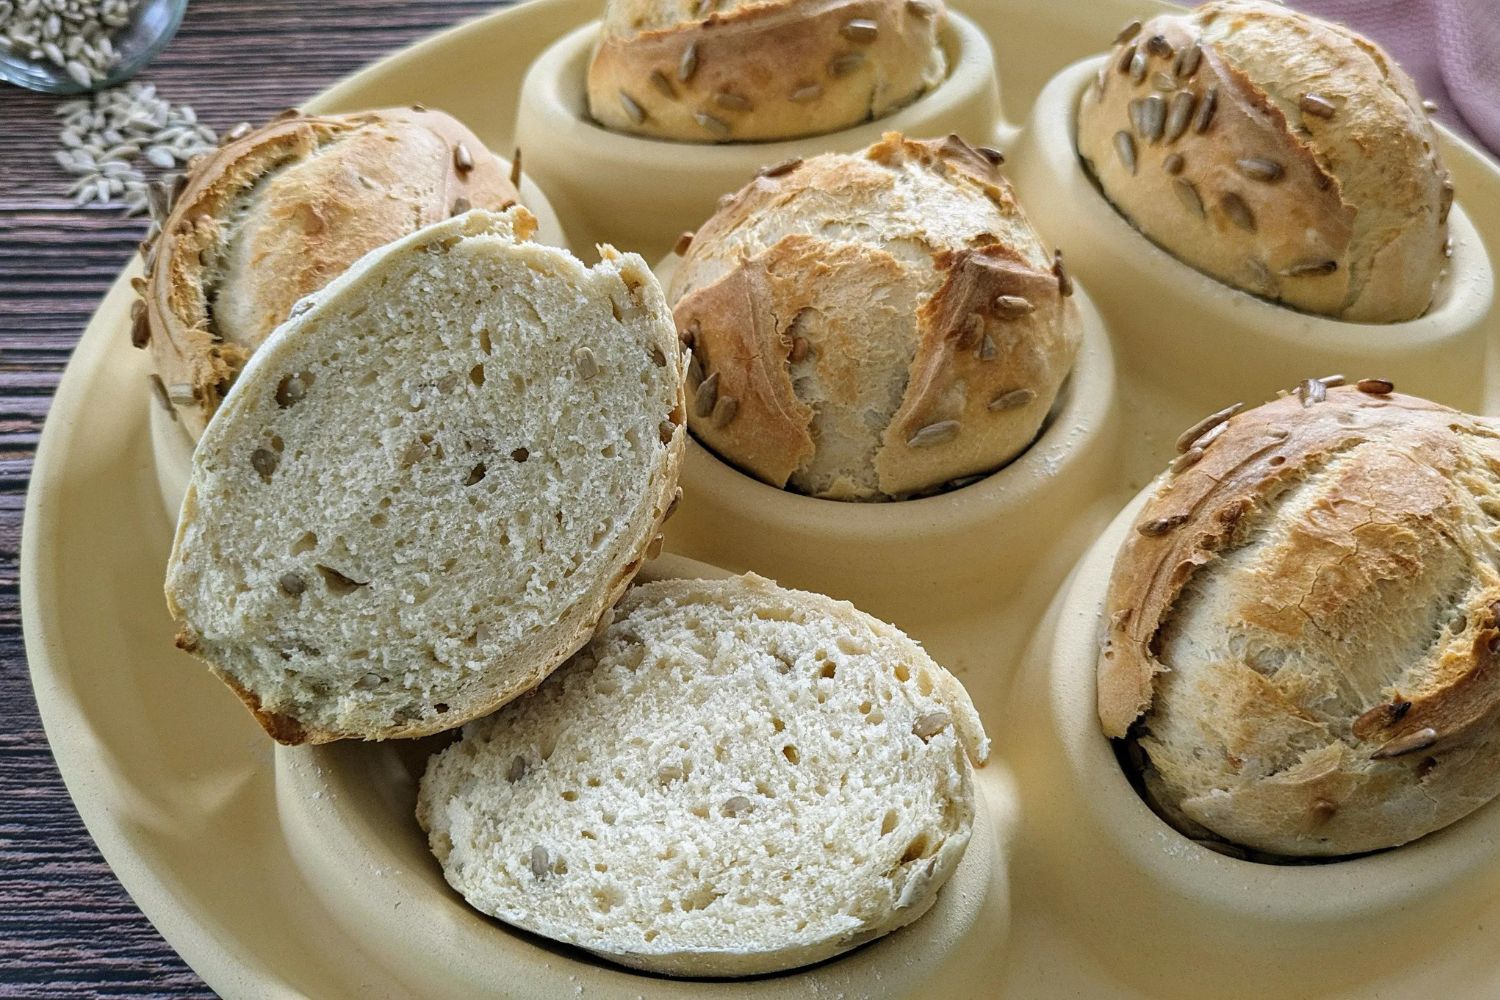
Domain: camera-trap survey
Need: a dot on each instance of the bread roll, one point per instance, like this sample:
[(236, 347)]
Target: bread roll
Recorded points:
[(276, 214), (1302, 627), (738, 70), (423, 492), (732, 779), (1281, 154), (873, 325)]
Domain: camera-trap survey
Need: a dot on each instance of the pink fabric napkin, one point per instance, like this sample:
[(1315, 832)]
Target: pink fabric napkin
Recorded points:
[(1450, 47)]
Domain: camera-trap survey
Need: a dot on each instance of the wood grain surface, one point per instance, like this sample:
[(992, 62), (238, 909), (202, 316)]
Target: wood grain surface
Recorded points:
[(67, 928)]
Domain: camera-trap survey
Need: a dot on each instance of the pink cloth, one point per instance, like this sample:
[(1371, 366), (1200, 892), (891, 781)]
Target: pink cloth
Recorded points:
[(1450, 47)]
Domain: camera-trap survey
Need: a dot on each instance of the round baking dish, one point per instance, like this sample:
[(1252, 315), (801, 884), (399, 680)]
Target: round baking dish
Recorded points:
[(173, 444), (1213, 344), (939, 565), (1218, 926), (640, 193), (348, 813)]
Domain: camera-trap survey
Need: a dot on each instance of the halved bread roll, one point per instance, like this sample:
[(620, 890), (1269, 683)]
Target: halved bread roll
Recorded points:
[(428, 486), (732, 779)]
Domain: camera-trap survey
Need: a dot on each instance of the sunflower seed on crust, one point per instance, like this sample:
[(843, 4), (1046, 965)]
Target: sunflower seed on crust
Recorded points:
[(1259, 168), (718, 126), (1376, 386), (1161, 525), (1179, 114), (1205, 115), (1410, 743), (940, 432), (706, 396), (1186, 438), (1310, 268), (1311, 391), (688, 64), (1131, 29), (1158, 45), (1011, 399), (1237, 211), (807, 93), (1187, 193), (725, 410), (845, 64), (1316, 105), (1187, 459), (1064, 280), (1125, 149), (684, 241), (861, 29), (1187, 61), (1012, 306), (633, 110)]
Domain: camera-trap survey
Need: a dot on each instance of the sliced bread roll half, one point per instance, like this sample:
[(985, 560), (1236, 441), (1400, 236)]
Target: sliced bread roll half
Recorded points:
[(428, 486), (731, 779)]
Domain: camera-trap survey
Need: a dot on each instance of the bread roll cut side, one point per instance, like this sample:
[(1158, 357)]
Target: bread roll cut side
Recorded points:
[(425, 489), (732, 779)]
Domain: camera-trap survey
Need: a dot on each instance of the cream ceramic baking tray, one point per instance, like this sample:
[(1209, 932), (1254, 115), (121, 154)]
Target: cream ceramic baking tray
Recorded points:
[(301, 872)]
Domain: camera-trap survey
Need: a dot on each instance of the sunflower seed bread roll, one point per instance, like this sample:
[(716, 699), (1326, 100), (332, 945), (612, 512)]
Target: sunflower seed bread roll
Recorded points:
[(759, 70), (424, 492), (732, 779), (1302, 627), (274, 215), (873, 325), (1281, 154)]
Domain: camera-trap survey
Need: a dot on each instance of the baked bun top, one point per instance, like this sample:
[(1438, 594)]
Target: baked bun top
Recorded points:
[(1279, 153), (275, 214), (760, 70), (1302, 625), (873, 325)]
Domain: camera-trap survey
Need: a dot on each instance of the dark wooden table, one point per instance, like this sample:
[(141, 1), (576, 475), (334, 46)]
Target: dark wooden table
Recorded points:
[(67, 928)]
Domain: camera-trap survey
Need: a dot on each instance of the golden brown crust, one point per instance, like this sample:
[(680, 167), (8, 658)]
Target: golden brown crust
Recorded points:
[(955, 326), (1357, 528), (276, 214), (1312, 179), (762, 71)]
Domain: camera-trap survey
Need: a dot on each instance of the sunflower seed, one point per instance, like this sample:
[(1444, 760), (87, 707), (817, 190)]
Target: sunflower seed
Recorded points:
[(1429, 106), (1153, 117), (799, 350), (1205, 115), (987, 349), (1238, 212), (684, 241), (1173, 164), (1410, 743), (1138, 66), (1376, 386), (653, 548), (140, 325), (725, 410), (804, 94), (238, 132), (1180, 114), (845, 64), (672, 507), (861, 29), (633, 110), (1161, 525), (736, 806), (718, 126), (1259, 168), (1311, 391), (159, 389), (1310, 268), (1316, 105), (660, 82), (463, 160), (264, 461), (706, 395), (1186, 438), (517, 769), (780, 169), (990, 153), (1187, 459), (688, 64), (1187, 62), (291, 584), (291, 390), (1158, 45), (1187, 193), (1126, 59), (1331, 381), (732, 101), (1125, 150), (460, 206), (1322, 810), (920, 8), (940, 432), (587, 364), (1011, 306), (1064, 280), (1128, 32), (539, 861), (1445, 201), (1012, 399), (930, 724), (666, 430)]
